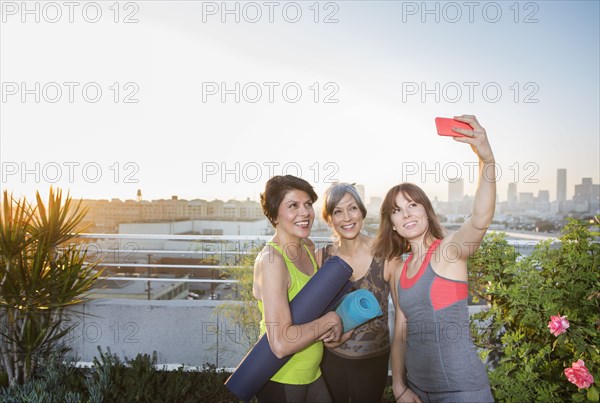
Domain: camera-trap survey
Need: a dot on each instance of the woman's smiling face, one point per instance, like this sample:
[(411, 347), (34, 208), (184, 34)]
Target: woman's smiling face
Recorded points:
[(409, 217), (295, 215), (346, 218)]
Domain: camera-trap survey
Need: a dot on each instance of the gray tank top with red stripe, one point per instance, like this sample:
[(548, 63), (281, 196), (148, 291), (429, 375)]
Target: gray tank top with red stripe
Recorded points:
[(440, 354)]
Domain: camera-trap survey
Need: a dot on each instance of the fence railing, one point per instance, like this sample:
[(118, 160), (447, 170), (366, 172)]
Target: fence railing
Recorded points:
[(201, 262), (197, 260), (188, 333)]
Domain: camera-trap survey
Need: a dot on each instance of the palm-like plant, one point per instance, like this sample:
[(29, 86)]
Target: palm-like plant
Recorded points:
[(41, 274)]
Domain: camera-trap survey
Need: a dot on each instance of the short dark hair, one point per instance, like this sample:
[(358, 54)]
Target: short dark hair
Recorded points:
[(275, 190)]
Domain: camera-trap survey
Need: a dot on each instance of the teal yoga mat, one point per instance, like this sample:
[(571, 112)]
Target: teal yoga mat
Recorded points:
[(357, 308)]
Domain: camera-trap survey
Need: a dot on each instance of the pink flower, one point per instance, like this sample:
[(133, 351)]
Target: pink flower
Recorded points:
[(579, 375), (558, 324)]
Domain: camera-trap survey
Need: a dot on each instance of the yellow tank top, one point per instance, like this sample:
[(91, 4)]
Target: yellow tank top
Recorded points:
[(303, 367)]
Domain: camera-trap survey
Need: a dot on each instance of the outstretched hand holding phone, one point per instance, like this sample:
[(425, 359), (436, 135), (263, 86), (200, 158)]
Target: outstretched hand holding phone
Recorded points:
[(445, 125)]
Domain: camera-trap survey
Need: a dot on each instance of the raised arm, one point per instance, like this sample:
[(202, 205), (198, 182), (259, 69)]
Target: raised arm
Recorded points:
[(271, 282), (470, 234)]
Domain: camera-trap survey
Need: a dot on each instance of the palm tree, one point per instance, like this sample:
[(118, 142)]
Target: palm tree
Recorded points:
[(41, 275)]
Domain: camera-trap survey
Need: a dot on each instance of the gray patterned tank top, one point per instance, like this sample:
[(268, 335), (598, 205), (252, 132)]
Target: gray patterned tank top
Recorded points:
[(372, 338)]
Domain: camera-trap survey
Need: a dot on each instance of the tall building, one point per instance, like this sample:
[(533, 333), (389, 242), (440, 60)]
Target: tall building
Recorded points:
[(511, 196), (374, 206), (526, 201), (561, 185), (361, 191), (587, 196), (586, 190), (526, 197), (456, 189), (542, 202)]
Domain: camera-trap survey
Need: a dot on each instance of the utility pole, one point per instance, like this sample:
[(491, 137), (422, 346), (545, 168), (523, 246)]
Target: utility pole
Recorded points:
[(148, 273)]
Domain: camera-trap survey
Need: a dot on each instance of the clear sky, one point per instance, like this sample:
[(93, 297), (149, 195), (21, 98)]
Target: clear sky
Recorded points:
[(178, 98)]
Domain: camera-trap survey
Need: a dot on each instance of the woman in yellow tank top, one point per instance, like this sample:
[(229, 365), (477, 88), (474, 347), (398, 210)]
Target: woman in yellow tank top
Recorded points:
[(281, 270)]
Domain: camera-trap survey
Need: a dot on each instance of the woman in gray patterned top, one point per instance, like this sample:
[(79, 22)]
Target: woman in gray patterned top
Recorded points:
[(356, 369)]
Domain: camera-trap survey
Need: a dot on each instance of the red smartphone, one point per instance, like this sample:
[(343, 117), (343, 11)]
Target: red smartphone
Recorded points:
[(445, 125)]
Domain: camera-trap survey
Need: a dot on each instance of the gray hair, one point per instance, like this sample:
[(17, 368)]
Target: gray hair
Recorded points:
[(335, 194)]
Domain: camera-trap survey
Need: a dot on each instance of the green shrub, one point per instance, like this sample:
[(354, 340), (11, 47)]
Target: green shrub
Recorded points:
[(53, 381), (113, 380), (138, 380), (528, 362), (41, 274)]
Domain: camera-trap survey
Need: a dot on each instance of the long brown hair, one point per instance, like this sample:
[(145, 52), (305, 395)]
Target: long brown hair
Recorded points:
[(388, 243)]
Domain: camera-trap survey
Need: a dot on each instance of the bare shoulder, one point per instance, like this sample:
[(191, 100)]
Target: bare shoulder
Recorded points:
[(270, 273), (456, 247), (309, 242), (392, 268), (395, 262), (319, 255), (450, 258), (369, 242), (312, 249), (268, 259), (448, 249)]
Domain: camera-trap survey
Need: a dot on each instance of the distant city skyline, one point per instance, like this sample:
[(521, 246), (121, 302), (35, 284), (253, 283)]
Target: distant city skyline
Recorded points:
[(456, 186), (208, 99), (521, 208), (441, 194)]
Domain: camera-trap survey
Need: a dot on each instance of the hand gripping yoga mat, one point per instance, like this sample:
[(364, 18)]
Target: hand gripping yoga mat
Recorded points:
[(357, 308), (320, 295)]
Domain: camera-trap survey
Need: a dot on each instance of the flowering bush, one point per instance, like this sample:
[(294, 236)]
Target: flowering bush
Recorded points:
[(558, 324), (579, 375), (530, 359)]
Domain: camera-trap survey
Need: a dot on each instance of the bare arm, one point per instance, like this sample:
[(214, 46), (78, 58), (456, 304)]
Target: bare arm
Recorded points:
[(470, 234), (401, 391), (271, 284), (319, 253)]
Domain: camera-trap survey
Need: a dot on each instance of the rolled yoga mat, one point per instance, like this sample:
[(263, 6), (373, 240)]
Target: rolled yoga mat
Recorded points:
[(320, 295), (357, 308)]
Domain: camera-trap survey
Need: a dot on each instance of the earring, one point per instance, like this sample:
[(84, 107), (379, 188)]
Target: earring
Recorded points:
[(394, 228)]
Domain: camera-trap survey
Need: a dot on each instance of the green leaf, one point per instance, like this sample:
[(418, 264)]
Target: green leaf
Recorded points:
[(555, 343), (592, 394), (577, 397)]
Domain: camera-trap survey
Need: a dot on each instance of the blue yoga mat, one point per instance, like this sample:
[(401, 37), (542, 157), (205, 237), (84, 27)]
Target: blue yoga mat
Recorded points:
[(320, 295), (357, 308)]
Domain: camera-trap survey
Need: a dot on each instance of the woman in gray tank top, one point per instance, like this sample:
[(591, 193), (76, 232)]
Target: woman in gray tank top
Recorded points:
[(433, 356)]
